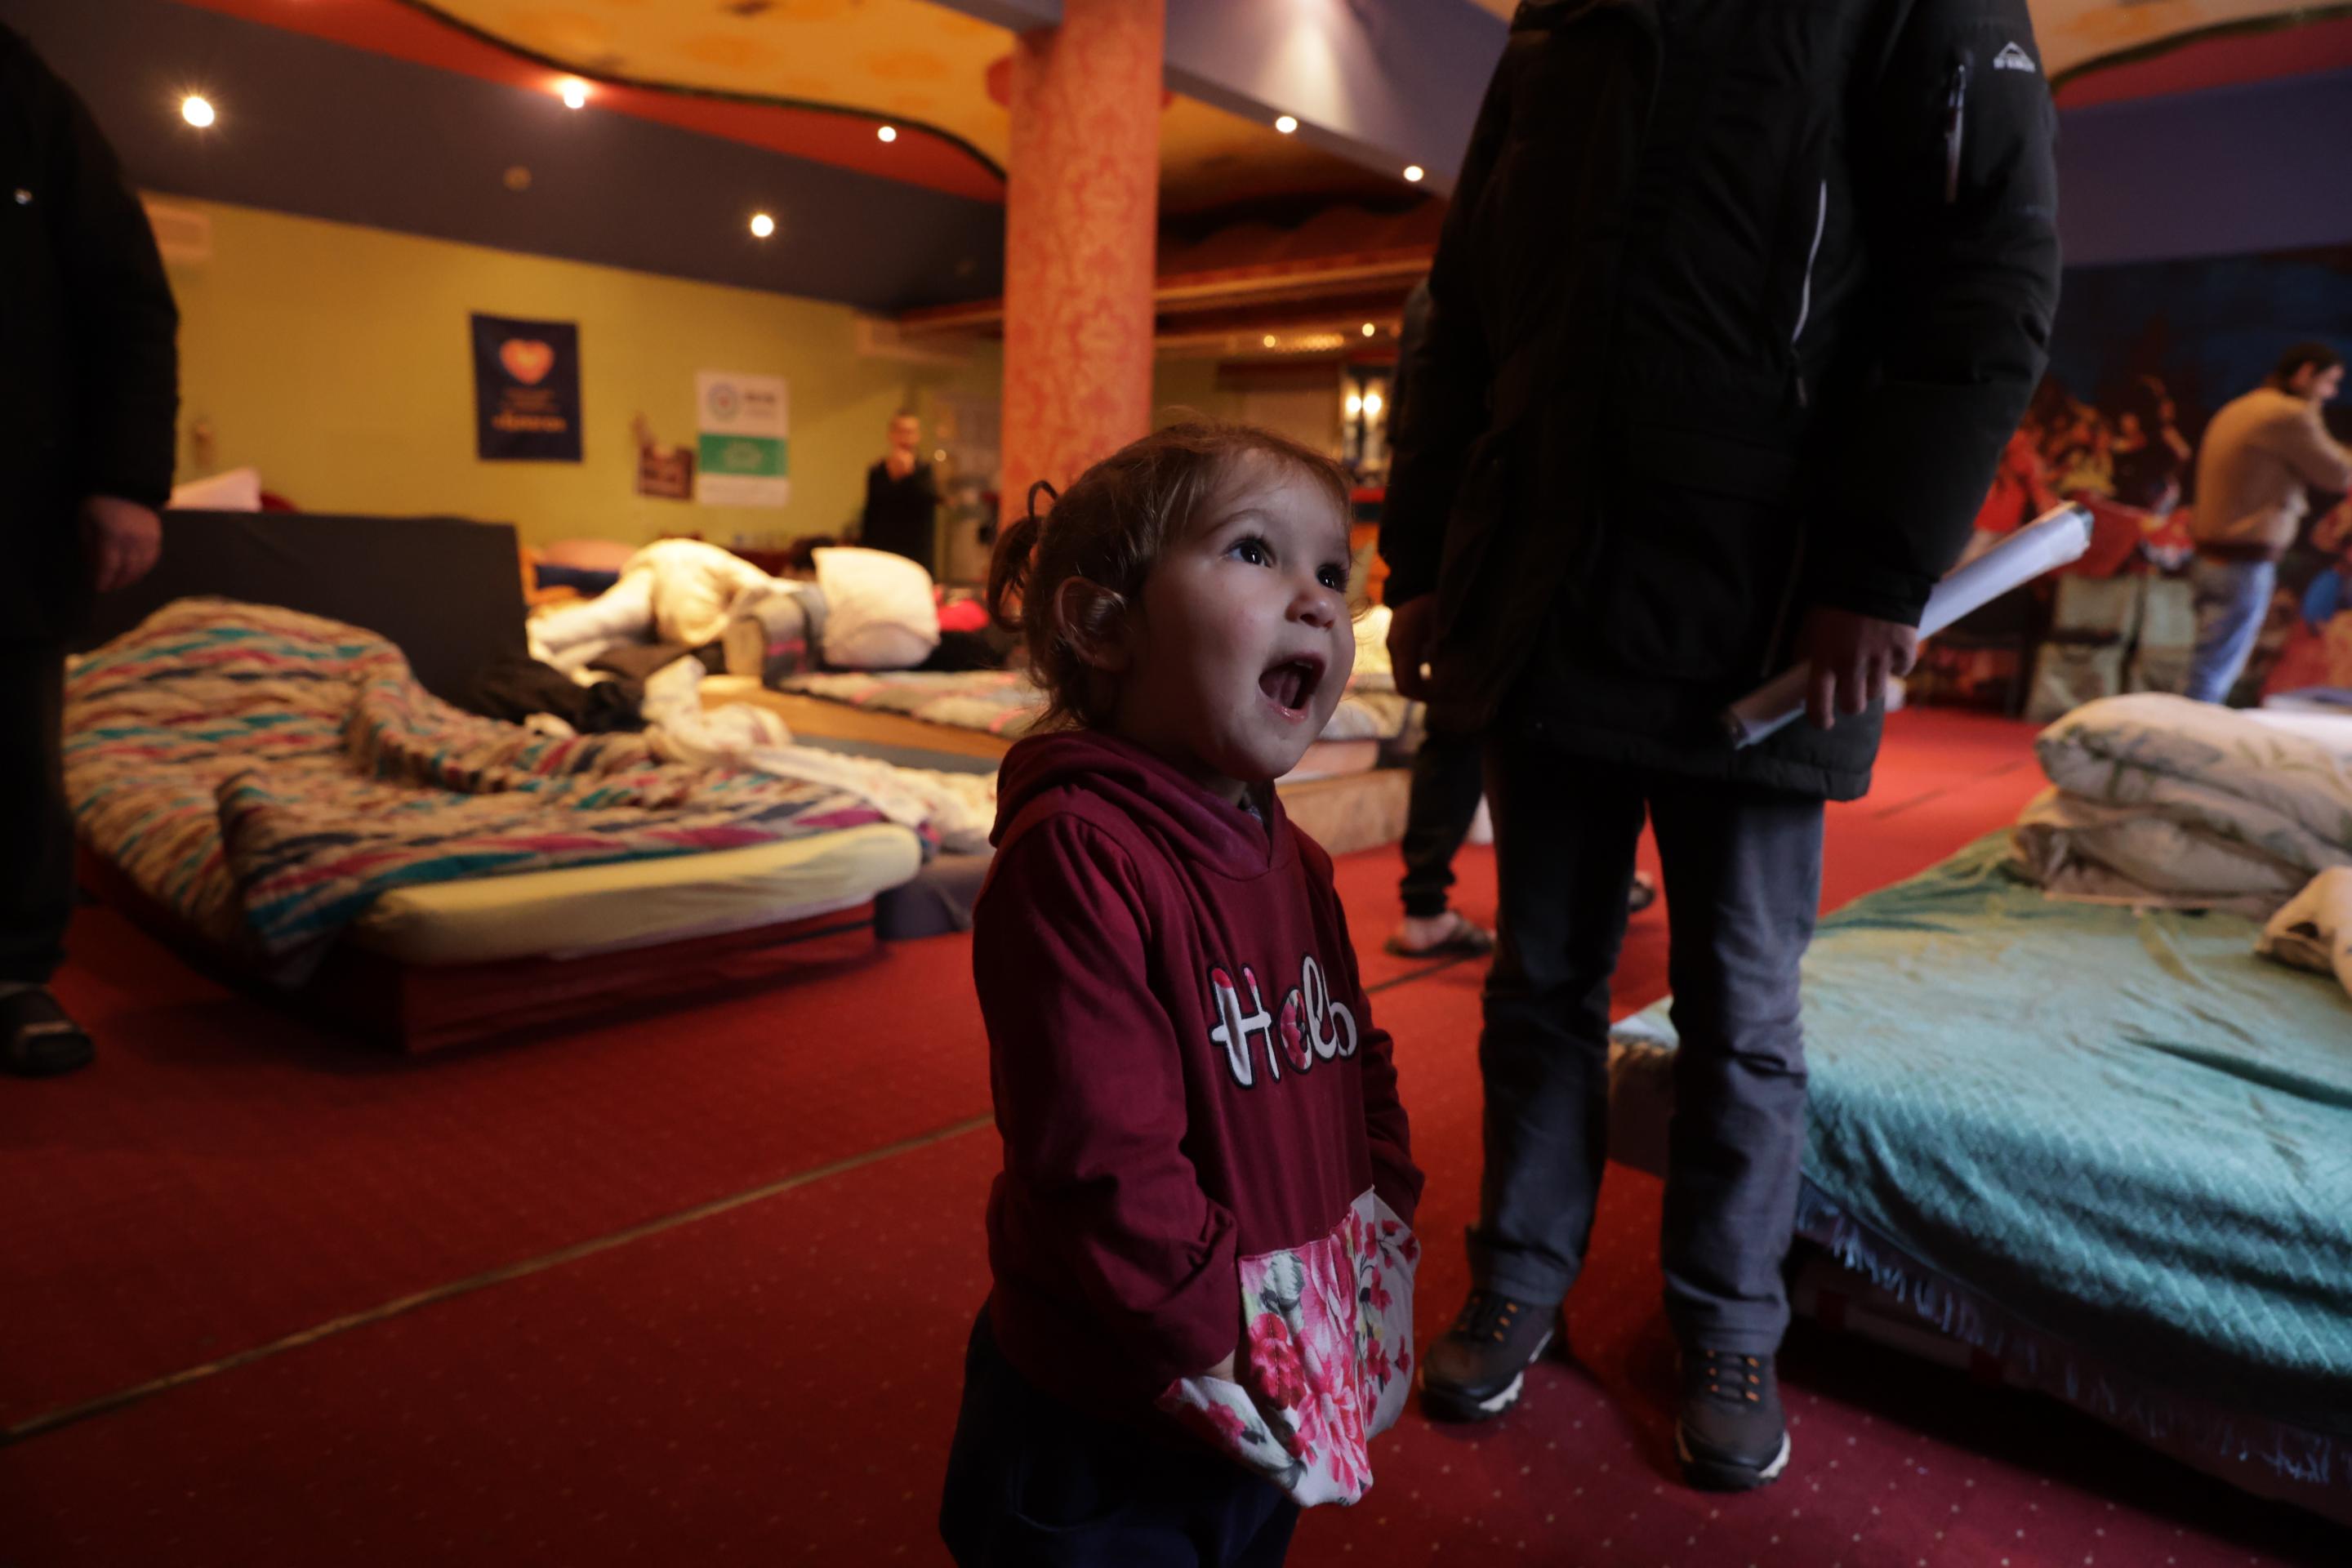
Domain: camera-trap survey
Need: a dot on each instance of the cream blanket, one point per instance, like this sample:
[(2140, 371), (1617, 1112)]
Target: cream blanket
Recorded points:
[(2160, 800)]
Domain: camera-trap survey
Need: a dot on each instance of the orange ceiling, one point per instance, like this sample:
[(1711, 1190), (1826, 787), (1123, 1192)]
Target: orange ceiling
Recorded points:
[(903, 59)]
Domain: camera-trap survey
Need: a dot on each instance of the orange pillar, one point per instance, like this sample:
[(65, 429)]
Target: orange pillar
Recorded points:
[(1081, 213)]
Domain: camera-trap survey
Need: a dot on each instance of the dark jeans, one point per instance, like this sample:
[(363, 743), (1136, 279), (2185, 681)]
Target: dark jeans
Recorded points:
[(37, 853), (1743, 871), (1448, 777), (1033, 1483)]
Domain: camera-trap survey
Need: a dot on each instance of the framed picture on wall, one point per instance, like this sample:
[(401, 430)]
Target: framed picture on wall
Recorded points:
[(526, 389)]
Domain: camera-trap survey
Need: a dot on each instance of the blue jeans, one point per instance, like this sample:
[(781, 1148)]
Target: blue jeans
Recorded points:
[(1743, 872), (2233, 597)]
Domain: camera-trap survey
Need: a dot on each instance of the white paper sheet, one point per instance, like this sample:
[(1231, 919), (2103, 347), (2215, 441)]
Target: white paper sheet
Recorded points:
[(2051, 540)]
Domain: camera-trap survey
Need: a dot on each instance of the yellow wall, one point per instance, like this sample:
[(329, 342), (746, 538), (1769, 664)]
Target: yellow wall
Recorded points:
[(1308, 415), (337, 360)]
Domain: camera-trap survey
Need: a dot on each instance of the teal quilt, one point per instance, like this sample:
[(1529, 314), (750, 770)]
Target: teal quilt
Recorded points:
[(2124, 1130)]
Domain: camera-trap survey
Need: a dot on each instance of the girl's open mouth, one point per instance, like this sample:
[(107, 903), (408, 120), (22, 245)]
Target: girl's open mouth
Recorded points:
[(1291, 684)]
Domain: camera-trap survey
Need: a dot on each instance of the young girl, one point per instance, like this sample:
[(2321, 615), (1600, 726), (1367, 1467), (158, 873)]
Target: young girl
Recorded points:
[(1202, 1299)]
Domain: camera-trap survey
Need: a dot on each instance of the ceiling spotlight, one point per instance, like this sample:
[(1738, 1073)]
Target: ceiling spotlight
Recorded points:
[(195, 111), (1413, 172), (1369, 329), (574, 92), (762, 225), (1371, 404), (1286, 124), (888, 133), (1269, 340)]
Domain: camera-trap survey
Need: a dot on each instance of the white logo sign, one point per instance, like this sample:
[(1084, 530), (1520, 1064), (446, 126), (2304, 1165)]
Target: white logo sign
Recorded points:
[(2013, 58)]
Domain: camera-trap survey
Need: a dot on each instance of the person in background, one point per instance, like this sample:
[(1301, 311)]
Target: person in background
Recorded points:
[(1200, 1244), (1733, 312), (2260, 457), (902, 498), (1449, 770), (89, 397)]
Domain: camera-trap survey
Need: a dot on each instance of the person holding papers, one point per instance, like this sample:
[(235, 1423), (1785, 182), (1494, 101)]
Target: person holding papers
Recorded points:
[(1734, 310)]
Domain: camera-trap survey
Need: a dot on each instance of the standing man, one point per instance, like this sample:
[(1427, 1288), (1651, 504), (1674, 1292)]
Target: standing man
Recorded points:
[(2261, 455), (1736, 306), (88, 393), (1449, 774), (902, 499)]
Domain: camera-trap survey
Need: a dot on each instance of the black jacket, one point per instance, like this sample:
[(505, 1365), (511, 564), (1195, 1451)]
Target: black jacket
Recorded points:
[(88, 365), (1736, 306)]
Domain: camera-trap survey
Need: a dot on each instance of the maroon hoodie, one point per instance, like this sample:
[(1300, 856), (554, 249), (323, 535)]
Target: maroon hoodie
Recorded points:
[(1188, 1084)]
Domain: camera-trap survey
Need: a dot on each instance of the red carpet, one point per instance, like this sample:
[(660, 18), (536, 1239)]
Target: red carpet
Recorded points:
[(777, 1380), (225, 1174)]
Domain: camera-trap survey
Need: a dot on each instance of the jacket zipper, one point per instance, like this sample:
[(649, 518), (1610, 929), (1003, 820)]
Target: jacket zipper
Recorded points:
[(1955, 104), (1805, 290)]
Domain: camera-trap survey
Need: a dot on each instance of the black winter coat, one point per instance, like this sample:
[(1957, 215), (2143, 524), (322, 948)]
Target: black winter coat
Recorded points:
[(88, 361), (1737, 305)]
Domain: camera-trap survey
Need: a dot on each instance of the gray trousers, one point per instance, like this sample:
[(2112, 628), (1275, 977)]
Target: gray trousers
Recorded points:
[(1743, 871)]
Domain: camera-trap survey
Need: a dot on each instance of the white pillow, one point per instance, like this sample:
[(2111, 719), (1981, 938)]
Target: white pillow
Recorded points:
[(879, 610), (695, 587), (239, 489)]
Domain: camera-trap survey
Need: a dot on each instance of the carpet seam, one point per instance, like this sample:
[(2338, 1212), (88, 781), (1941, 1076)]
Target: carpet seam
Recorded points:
[(400, 1306)]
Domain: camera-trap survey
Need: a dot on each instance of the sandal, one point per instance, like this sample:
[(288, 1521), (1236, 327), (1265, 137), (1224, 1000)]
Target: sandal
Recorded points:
[(1464, 940), (36, 1039), (1642, 894)]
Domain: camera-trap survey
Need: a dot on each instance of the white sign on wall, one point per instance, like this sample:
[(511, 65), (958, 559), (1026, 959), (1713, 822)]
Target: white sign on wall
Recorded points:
[(743, 456)]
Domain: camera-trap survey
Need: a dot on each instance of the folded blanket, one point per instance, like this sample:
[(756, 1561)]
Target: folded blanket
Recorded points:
[(2315, 930), (2191, 803), (2077, 847)]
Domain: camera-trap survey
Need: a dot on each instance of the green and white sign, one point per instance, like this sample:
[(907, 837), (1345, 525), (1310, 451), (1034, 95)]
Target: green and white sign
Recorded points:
[(743, 456)]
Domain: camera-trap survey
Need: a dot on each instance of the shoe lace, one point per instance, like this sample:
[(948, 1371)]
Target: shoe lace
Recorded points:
[(1734, 1379), (1488, 1316)]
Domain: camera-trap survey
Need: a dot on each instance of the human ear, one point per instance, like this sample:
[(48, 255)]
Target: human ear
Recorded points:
[(1094, 622)]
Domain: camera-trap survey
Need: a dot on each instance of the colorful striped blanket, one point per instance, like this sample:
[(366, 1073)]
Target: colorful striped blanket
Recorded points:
[(265, 774)]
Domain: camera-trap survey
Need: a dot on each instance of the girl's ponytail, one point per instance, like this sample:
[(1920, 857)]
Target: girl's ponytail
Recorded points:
[(1010, 564)]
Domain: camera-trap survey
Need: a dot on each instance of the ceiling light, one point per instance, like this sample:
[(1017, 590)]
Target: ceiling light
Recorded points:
[(1286, 124), (940, 455), (195, 111), (1355, 403), (762, 225), (574, 92), (888, 133), (1269, 340), (1413, 172), (1371, 404), (1369, 329)]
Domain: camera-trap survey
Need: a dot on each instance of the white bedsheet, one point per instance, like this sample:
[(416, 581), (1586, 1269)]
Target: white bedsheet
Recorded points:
[(959, 809)]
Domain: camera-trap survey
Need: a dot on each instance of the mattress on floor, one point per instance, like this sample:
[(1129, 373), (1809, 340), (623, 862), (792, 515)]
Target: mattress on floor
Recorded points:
[(2123, 1129), (1335, 759), (636, 903)]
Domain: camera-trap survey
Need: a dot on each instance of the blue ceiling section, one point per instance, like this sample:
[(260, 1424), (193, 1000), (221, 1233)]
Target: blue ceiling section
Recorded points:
[(323, 131)]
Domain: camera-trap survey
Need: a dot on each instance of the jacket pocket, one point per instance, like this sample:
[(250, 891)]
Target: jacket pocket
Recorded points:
[(1325, 1362), (1698, 541)]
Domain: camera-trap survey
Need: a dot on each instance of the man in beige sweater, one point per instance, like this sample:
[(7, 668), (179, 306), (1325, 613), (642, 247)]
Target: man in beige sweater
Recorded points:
[(2262, 454)]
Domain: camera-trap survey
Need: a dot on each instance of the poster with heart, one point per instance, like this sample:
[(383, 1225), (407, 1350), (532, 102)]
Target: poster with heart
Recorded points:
[(742, 455), (526, 389)]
